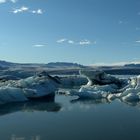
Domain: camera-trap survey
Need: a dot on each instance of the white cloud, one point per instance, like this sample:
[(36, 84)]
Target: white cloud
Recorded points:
[(14, 1), (2, 1), (71, 42), (34, 12), (137, 41), (26, 9), (39, 45), (38, 11), (20, 10), (61, 40), (85, 42)]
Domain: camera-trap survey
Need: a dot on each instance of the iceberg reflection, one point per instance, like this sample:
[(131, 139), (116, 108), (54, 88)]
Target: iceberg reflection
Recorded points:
[(48, 105), (88, 101)]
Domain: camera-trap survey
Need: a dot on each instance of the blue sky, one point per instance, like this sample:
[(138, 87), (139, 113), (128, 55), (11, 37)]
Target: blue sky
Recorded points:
[(82, 31)]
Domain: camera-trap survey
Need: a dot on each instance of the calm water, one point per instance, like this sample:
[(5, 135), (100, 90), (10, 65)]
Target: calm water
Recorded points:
[(70, 119)]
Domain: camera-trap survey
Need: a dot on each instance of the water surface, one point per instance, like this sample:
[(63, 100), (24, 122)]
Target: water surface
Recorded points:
[(70, 119)]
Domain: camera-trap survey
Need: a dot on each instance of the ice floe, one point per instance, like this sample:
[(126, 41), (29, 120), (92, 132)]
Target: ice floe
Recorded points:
[(101, 85), (34, 87), (89, 84)]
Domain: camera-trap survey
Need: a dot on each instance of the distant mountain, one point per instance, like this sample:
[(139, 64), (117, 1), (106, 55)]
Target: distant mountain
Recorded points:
[(6, 64), (64, 65), (132, 65)]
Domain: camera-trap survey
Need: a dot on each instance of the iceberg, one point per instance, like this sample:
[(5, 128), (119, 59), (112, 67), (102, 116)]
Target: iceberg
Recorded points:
[(94, 84), (101, 85), (39, 86)]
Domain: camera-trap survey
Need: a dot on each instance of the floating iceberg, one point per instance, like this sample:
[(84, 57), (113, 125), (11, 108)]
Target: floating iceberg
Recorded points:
[(93, 85), (38, 86), (101, 85)]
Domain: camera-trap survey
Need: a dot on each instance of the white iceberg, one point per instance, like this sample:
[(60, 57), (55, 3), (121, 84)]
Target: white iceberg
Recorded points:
[(33, 87), (101, 85)]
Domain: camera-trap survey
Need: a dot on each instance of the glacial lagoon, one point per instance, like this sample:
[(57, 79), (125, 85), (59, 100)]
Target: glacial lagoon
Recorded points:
[(65, 117)]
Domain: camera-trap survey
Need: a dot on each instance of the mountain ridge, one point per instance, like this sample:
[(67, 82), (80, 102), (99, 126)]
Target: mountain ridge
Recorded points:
[(50, 65)]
